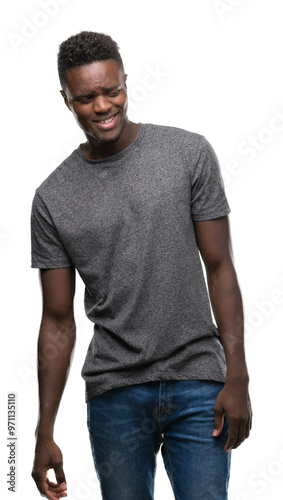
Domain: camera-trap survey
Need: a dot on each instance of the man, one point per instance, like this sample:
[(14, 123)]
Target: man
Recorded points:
[(130, 210)]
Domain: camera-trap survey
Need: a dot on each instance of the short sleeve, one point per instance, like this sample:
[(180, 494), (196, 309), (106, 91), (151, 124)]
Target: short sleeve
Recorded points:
[(47, 251), (208, 198)]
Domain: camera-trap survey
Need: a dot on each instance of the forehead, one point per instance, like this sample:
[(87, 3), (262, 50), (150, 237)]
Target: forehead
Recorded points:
[(93, 77)]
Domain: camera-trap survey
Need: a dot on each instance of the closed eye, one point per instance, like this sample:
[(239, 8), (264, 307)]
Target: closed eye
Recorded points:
[(85, 99), (113, 93)]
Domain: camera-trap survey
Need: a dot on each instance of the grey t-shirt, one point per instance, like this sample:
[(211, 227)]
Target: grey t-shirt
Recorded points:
[(126, 224)]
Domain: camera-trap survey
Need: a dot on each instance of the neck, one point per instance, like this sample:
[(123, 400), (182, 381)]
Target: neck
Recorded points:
[(93, 150)]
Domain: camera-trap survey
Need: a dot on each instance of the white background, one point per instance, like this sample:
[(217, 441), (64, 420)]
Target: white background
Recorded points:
[(216, 69)]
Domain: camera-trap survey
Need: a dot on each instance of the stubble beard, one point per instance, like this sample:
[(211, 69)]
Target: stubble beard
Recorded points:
[(104, 140)]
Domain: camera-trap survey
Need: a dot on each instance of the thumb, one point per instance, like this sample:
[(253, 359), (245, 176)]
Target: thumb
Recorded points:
[(60, 476), (218, 422)]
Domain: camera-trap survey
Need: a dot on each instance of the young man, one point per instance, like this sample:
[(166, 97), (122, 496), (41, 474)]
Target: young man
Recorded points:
[(131, 209)]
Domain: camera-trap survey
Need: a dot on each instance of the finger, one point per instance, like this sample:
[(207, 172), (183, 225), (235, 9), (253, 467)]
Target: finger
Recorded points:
[(52, 486), (61, 488), (241, 435), (232, 436), (56, 486), (218, 423), (49, 490), (59, 473), (57, 490), (41, 482), (244, 432), (51, 495), (248, 428), (54, 495)]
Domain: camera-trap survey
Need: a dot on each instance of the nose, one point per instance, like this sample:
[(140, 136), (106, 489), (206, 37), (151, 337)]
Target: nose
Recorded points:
[(101, 104)]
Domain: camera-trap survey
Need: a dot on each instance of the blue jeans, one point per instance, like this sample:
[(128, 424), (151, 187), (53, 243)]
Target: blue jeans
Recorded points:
[(128, 425)]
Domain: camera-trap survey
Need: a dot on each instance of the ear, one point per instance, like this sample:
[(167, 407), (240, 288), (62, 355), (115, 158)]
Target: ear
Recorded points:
[(125, 78), (63, 94)]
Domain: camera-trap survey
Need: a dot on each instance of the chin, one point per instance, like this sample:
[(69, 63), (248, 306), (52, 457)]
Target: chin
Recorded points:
[(105, 140)]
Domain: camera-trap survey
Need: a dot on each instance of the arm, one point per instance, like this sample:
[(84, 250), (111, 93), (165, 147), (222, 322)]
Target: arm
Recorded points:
[(213, 239), (55, 345)]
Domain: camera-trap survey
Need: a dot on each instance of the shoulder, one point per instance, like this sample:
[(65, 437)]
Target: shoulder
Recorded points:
[(174, 137), (176, 141), (165, 132), (59, 177)]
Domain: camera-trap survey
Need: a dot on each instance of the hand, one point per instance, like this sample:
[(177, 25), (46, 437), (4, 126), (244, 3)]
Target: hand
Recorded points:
[(49, 456), (234, 401)]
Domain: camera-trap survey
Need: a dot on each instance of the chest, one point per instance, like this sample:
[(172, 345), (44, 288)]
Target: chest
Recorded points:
[(123, 204)]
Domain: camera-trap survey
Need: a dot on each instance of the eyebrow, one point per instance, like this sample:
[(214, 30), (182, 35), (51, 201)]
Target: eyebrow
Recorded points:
[(91, 92)]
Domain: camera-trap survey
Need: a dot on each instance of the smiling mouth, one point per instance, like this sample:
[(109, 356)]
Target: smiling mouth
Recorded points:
[(108, 123)]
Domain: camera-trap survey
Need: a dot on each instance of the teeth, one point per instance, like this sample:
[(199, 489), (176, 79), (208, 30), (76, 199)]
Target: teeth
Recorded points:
[(107, 121)]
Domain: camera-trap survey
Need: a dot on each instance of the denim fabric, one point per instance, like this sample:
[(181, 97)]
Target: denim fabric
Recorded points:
[(128, 425)]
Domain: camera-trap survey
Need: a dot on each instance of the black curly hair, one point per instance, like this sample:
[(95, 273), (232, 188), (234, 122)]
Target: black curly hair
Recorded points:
[(84, 48)]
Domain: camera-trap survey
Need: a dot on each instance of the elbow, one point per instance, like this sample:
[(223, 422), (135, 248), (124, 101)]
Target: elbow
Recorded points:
[(58, 330), (221, 272)]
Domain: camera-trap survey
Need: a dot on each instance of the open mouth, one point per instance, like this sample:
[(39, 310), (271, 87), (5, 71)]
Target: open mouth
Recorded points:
[(108, 123)]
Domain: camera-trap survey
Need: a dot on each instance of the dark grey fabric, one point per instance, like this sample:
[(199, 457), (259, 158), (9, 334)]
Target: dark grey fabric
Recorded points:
[(126, 224)]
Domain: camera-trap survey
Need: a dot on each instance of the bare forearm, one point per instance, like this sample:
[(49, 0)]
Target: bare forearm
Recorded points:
[(55, 346), (213, 238), (228, 311)]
